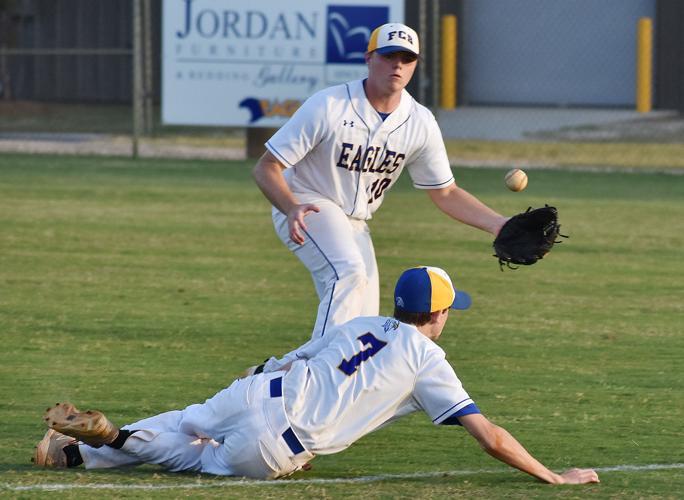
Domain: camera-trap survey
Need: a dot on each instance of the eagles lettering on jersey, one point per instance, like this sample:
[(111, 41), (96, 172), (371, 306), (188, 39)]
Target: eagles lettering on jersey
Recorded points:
[(370, 158)]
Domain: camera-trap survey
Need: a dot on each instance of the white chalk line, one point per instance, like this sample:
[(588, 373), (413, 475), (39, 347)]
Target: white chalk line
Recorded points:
[(306, 482)]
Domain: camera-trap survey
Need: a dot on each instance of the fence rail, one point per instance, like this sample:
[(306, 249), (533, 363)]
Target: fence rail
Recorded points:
[(66, 52)]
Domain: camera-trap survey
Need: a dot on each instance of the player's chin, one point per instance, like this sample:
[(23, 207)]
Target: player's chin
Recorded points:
[(396, 83)]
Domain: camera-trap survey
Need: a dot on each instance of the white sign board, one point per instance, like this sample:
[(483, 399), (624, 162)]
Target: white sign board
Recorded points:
[(252, 63)]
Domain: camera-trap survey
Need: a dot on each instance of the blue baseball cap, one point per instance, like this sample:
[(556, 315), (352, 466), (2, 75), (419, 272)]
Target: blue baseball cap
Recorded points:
[(428, 289)]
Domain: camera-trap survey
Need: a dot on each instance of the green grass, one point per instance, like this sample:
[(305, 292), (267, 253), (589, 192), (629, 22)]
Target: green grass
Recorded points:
[(621, 154), (659, 152), (142, 286)]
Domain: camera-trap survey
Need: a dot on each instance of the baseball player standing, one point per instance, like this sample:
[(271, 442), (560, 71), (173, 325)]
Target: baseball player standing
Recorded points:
[(322, 397), (327, 170)]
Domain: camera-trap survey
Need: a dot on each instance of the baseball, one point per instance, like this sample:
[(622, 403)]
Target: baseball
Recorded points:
[(516, 180)]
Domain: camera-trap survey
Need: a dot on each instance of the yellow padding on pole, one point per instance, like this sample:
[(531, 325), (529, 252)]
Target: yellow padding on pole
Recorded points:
[(644, 92), (449, 55)]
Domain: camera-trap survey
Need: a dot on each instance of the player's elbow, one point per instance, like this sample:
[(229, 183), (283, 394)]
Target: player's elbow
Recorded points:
[(438, 195), (259, 169), (491, 440), (266, 168)]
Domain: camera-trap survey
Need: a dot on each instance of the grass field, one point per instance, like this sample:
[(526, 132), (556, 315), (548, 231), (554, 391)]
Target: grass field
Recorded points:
[(657, 148), (141, 286)]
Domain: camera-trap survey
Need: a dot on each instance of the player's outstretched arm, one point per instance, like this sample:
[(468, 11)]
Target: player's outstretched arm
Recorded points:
[(463, 206), (268, 175), (500, 444)]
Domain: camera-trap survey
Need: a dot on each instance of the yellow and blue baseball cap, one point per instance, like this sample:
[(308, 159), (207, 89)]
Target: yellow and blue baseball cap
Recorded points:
[(428, 289), (394, 37)]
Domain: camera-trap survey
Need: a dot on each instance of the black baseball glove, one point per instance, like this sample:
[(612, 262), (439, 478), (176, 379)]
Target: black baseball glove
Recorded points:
[(527, 237)]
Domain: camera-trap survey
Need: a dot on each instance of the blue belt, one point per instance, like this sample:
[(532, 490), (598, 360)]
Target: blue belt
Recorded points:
[(289, 435)]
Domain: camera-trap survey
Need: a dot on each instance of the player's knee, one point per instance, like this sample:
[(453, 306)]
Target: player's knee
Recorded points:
[(353, 275), (193, 422)]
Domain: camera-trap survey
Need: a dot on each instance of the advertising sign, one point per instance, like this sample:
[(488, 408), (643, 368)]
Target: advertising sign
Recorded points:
[(237, 63)]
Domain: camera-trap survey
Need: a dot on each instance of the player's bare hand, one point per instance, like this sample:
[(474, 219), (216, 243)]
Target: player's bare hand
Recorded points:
[(250, 371), (580, 476), (295, 221)]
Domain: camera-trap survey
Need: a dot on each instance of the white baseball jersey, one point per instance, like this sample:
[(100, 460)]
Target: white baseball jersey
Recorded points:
[(366, 373), (340, 149)]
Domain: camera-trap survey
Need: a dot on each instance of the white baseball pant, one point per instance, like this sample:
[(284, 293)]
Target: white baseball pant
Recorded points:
[(241, 431), (339, 254)]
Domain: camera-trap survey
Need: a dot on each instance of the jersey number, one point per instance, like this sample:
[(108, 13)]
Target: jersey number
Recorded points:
[(349, 366), (378, 187)]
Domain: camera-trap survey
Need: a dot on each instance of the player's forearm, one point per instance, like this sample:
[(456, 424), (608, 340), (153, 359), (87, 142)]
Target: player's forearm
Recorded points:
[(464, 207), (269, 178), (506, 448)]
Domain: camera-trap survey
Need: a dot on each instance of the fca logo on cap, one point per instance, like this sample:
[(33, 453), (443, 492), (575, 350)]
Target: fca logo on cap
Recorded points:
[(348, 31), (400, 34)]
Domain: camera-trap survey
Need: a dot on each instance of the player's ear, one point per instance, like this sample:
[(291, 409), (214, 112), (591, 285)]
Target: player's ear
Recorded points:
[(367, 56), (437, 315)]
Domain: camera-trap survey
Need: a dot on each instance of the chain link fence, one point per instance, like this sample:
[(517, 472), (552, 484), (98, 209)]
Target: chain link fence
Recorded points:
[(68, 67)]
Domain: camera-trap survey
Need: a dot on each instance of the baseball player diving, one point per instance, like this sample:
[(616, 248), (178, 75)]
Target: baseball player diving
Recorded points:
[(328, 169), (319, 399)]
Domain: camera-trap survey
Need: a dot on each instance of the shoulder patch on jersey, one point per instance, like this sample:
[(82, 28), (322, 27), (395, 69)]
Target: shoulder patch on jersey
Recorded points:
[(390, 324)]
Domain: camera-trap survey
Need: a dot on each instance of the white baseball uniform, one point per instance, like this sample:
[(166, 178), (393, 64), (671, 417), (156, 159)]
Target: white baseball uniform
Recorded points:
[(367, 373), (342, 156)]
